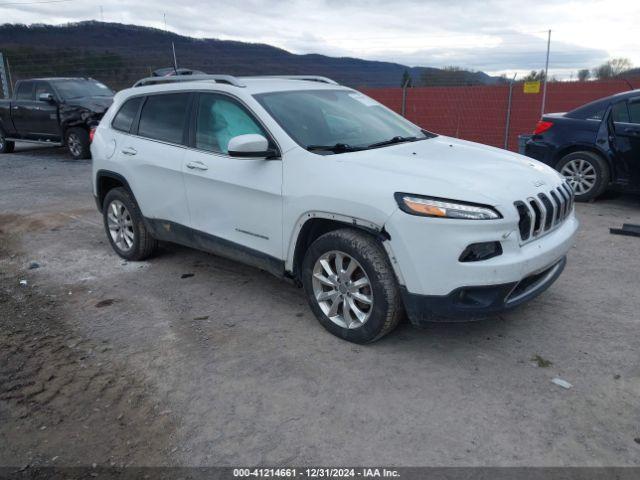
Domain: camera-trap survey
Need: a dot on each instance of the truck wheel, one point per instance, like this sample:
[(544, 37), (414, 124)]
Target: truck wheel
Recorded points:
[(6, 146), (586, 172), (77, 141), (125, 228), (351, 286)]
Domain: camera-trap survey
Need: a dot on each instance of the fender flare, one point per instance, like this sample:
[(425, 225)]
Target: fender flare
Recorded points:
[(115, 176), (349, 221)]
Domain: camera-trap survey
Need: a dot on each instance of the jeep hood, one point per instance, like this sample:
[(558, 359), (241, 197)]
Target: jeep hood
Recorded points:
[(456, 169)]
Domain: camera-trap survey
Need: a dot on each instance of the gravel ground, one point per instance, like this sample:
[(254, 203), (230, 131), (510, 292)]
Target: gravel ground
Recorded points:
[(115, 363)]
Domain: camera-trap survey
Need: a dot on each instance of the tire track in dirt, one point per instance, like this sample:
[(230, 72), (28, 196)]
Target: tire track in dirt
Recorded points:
[(67, 399)]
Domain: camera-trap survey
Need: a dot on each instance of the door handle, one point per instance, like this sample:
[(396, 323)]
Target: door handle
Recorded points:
[(130, 151), (197, 166), (633, 131)]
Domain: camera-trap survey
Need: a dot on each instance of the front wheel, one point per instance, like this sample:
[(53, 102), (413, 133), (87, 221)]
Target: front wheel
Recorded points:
[(586, 172), (6, 146), (351, 286), (77, 141)]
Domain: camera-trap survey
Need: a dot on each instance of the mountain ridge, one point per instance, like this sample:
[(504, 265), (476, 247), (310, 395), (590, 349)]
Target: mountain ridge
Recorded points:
[(121, 53)]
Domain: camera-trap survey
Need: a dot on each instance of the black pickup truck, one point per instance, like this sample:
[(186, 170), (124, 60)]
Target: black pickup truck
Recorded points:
[(54, 111)]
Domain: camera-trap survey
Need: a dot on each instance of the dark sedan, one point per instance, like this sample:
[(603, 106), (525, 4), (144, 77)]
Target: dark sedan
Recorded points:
[(595, 147)]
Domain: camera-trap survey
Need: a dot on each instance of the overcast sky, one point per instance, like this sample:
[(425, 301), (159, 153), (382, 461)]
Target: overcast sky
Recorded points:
[(490, 35)]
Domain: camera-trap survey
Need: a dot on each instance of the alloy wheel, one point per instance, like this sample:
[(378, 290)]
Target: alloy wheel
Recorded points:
[(74, 144), (342, 289), (580, 174), (120, 225)]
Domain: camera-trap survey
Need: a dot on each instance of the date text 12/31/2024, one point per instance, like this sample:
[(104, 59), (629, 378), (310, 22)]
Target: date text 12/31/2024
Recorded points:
[(315, 473)]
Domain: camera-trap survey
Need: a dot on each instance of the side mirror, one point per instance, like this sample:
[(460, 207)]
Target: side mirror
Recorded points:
[(250, 146), (46, 97)]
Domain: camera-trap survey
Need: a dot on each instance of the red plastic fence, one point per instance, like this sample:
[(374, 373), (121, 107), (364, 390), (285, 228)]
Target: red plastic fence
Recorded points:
[(479, 113)]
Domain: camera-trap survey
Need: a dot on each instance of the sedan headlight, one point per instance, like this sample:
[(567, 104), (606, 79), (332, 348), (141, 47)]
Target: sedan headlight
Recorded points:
[(443, 208)]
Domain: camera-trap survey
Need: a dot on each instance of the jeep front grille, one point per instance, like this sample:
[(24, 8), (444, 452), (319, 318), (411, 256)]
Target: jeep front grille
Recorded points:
[(542, 213)]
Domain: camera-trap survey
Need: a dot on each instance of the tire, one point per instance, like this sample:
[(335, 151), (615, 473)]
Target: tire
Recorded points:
[(385, 310), (77, 141), (587, 173), (6, 146), (136, 245)]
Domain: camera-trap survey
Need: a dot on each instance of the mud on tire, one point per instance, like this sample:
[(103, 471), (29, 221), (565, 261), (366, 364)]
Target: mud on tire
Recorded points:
[(386, 309)]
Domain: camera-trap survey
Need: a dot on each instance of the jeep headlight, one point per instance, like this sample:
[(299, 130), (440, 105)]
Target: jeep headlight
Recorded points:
[(444, 208)]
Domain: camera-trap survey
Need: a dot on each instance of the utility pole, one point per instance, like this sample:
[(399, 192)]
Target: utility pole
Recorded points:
[(3, 78), (404, 96), (546, 74), (175, 60), (508, 120), (9, 75)]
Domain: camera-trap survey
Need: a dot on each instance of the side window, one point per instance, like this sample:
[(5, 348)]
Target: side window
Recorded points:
[(25, 91), (620, 112), (219, 119), (163, 117), (634, 112), (127, 113)]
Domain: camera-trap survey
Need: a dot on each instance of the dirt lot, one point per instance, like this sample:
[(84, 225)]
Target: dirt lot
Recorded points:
[(115, 363)]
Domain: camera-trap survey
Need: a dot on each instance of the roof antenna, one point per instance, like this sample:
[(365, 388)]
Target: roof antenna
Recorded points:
[(173, 46), (628, 83)]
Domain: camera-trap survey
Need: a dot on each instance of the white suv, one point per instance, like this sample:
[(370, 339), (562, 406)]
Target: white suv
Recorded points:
[(318, 183)]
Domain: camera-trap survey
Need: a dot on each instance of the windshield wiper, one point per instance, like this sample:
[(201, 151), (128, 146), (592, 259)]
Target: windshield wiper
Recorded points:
[(336, 148), (392, 141)]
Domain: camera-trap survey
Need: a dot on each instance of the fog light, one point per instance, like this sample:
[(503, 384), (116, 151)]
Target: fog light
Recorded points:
[(481, 251)]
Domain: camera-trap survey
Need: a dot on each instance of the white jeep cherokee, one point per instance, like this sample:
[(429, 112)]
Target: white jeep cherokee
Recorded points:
[(316, 182)]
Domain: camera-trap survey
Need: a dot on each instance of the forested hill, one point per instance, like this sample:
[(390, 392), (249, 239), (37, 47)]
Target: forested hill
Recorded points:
[(120, 54)]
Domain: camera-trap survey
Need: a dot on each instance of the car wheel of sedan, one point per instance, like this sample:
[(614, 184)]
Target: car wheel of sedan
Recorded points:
[(351, 286), (77, 141), (6, 146), (125, 228), (586, 172)]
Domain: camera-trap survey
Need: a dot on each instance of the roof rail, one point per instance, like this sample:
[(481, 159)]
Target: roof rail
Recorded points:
[(308, 78), (228, 79)]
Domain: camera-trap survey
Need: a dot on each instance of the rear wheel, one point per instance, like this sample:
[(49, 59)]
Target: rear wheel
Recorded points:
[(125, 228), (586, 172), (6, 146), (77, 141), (351, 286)]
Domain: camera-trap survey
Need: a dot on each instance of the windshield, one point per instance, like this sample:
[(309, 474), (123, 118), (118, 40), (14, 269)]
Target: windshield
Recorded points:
[(337, 121), (82, 88)]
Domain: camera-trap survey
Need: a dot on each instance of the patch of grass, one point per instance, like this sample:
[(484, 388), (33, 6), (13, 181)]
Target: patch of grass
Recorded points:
[(541, 362)]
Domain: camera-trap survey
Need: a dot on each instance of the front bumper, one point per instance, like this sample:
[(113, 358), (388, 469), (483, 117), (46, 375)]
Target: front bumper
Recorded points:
[(425, 255), (472, 303)]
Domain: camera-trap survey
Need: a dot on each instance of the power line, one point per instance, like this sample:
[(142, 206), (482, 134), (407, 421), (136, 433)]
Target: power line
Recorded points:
[(33, 3)]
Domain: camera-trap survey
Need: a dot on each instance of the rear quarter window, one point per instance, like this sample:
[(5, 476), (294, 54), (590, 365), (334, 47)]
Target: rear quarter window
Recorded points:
[(126, 115), (163, 117)]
